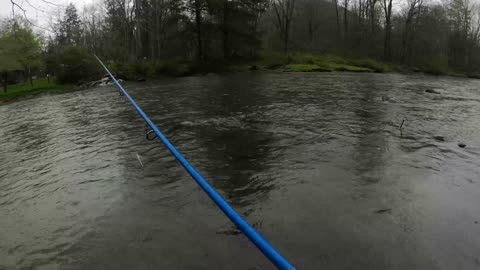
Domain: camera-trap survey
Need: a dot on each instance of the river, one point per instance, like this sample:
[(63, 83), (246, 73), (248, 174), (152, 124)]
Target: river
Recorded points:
[(316, 162)]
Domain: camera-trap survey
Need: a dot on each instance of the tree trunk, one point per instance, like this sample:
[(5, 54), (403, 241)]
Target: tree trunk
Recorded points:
[(198, 21), (335, 2), (405, 41), (345, 19), (226, 49), (372, 16), (387, 53), (285, 41), (5, 81), (157, 32), (30, 77), (387, 50)]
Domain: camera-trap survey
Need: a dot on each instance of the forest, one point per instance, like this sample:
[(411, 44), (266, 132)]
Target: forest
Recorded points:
[(181, 37)]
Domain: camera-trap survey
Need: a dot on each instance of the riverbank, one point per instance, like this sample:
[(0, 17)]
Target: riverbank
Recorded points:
[(302, 62), (42, 85), (295, 62)]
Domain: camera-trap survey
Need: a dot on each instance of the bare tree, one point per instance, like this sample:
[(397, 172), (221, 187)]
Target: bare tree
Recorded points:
[(387, 46), (335, 3), (412, 14), (345, 19), (198, 28), (284, 14), (371, 7)]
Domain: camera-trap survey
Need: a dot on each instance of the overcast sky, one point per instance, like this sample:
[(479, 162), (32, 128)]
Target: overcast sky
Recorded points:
[(41, 10), (38, 11)]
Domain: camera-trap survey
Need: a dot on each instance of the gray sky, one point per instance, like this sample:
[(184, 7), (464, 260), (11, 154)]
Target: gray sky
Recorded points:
[(41, 11)]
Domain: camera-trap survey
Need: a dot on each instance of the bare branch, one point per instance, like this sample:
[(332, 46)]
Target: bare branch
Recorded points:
[(14, 4), (34, 7), (24, 11), (53, 4)]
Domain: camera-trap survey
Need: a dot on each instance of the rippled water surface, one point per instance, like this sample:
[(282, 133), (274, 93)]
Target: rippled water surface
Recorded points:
[(316, 162)]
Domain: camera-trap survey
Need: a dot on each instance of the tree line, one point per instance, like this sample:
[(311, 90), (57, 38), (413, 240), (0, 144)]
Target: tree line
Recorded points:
[(157, 35)]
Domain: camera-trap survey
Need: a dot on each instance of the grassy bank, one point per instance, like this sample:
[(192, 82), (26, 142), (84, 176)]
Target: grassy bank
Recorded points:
[(303, 62), (41, 85), (295, 62)]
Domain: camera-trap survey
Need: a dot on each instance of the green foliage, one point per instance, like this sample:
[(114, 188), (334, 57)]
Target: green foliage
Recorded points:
[(67, 29), (39, 86), (151, 68), (435, 66), (371, 64), (305, 68), (76, 64), (19, 49), (8, 61), (273, 60), (306, 62), (174, 68)]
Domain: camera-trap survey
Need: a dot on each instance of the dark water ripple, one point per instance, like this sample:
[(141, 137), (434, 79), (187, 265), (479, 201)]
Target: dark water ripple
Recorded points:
[(316, 162)]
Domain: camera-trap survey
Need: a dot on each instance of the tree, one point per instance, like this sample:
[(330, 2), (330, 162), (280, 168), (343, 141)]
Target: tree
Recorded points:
[(345, 20), (412, 15), (284, 14), (196, 8), (387, 47), (76, 64), (8, 62), (460, 15), (26, 50), (68, 28)]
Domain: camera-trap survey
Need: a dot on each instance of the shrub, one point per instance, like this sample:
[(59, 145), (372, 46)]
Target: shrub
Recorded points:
[(435, 67), (76, 65)]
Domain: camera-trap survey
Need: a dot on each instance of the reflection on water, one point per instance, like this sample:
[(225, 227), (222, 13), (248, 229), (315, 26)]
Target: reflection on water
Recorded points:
[(316, 162)]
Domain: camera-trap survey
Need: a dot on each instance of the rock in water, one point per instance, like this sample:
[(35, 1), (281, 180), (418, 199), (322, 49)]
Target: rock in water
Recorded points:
[(462, 145), (383, 211), (439, 138), (432, 91)]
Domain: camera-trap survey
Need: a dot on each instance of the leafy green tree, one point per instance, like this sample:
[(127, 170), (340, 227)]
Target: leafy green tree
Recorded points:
[(23, 47), (67, 30), (7, 60), (76, 64)]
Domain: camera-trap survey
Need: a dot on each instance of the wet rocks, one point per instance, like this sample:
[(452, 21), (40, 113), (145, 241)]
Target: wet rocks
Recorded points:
[(432, 91), (105, 80), (462, 145), (383, 211)]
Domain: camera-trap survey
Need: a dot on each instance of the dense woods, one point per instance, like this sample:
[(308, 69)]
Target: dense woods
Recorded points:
[(184, 36)]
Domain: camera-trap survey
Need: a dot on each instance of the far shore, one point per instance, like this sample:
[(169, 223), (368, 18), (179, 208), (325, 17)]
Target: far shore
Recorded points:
[(40, 86)]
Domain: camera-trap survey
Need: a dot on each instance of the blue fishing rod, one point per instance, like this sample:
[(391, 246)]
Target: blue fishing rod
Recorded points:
[(278, 260)]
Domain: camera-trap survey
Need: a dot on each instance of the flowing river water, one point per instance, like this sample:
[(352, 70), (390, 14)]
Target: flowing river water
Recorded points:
[(316, 162)]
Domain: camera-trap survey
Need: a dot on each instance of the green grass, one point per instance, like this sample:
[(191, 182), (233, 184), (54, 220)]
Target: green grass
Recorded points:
[(307, 62), (24, 89), (305, 68)]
